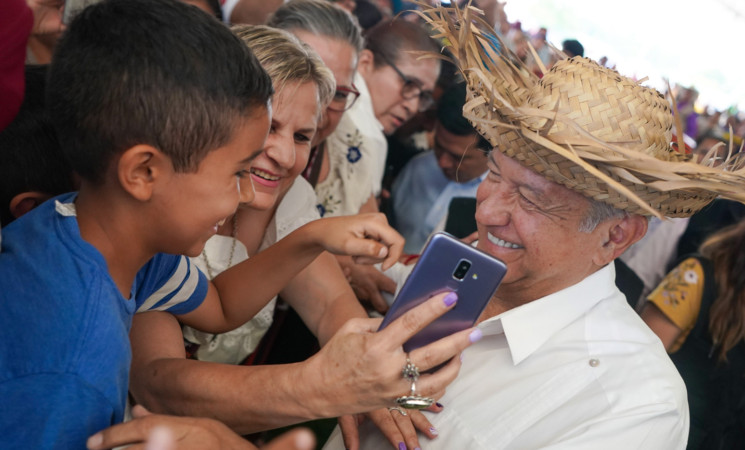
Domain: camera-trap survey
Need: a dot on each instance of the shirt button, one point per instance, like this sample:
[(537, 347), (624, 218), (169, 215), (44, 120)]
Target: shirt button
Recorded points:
[(594, 362)]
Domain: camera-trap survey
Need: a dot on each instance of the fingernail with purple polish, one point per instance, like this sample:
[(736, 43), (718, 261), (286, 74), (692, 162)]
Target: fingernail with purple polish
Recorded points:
[(434, 431), (401, 446), (439, 405), (475, 335), (450, 299)]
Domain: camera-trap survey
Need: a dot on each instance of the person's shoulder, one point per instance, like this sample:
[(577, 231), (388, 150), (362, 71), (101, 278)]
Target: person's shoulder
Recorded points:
[(171, 283), (45, 244), (300, 191), (422, 165)]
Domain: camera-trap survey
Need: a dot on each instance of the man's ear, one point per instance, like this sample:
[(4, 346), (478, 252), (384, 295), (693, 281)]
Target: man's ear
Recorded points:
[(620, 235), (139, 168), (366, 63), (26, 201)]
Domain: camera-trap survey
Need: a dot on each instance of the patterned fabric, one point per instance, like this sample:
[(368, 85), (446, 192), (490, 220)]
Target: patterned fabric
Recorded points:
[(357, 150), (679, 297)]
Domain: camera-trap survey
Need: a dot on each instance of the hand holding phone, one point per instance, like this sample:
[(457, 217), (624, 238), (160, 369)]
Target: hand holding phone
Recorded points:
[(447, 264)]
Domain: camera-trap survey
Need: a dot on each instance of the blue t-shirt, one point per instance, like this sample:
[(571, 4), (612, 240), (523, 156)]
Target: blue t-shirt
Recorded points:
[(421, 197), (65, 354)]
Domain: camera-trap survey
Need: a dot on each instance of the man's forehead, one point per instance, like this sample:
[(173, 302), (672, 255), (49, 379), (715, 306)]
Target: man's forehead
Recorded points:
[(532, 180)]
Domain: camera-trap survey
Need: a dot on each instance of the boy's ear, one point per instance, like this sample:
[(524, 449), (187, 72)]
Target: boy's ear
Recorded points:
[(26, 201), (366, 63), (138, 169), (620, 235)]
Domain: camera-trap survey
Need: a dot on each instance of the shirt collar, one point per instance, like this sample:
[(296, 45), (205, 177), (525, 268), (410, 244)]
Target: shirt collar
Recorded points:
[(365, 97), (65, 205), (529, 326)]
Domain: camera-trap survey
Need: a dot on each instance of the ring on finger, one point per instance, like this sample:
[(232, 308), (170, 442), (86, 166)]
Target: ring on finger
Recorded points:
[(410, 373), (400, 410)]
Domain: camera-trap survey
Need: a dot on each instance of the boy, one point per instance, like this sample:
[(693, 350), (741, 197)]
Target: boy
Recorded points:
[(160, 110)]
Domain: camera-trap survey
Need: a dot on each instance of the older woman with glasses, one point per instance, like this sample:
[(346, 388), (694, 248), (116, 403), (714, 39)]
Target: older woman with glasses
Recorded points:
[(390, 86)]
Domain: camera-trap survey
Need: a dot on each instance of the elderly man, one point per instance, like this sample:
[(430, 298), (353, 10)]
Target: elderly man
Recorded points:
[(580, 158), (454, 168)]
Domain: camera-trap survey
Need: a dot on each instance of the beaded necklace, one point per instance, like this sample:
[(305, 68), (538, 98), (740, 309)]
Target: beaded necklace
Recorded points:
[(233, 233)]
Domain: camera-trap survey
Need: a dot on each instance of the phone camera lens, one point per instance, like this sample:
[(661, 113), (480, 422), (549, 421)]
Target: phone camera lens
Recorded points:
[(461, 269)]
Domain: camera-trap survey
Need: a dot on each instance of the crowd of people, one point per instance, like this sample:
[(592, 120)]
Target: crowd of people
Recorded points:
[(207, 206)]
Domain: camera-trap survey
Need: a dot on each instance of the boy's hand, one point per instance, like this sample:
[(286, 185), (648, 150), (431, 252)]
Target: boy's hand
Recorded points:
[(366, 237)]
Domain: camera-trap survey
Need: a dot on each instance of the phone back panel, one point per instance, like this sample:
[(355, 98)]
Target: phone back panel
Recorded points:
[(433, 274)]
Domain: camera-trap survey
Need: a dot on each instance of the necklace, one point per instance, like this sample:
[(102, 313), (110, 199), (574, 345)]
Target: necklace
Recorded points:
[(233, 233)]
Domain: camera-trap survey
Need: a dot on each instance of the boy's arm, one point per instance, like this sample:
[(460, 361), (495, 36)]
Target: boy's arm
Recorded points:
[(240, 292), (357, 370)]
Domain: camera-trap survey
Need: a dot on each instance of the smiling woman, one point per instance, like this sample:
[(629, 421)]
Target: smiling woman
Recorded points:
[(283, 202)]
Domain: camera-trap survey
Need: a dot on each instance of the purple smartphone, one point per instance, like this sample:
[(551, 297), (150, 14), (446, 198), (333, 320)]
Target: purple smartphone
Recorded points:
[(447, 264)]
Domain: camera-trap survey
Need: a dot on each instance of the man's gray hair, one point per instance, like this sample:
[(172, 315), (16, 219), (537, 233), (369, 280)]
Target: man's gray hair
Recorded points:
[(599, 212), (321, 18)]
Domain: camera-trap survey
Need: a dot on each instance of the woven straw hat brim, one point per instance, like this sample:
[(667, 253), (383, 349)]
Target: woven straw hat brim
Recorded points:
[(582, 125)]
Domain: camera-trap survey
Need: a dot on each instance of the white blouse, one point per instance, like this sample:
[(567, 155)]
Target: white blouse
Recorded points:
[(357, 151)]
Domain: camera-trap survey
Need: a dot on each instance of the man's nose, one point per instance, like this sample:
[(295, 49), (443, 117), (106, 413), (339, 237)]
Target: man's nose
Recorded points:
[(494, 207), (445, 161)]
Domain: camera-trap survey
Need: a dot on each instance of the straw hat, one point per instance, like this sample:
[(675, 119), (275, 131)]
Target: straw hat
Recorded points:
[(582, 125)]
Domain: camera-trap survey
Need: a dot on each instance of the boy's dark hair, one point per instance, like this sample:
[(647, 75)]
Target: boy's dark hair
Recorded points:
[(30, 155), (450, 114), (161, 73)]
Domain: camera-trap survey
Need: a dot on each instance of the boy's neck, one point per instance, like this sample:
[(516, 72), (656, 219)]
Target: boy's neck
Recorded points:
[(106, 223)]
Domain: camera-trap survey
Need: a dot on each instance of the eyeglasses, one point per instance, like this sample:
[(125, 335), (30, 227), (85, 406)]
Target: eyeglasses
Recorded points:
[(344, 98), (412, 88)]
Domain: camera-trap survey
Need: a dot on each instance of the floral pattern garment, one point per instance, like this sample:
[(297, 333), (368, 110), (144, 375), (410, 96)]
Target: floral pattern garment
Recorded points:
[(678, 296), (357, 150)]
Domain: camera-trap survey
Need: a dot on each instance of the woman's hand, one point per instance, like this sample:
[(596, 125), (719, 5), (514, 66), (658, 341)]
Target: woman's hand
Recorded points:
[(398, 425), (367, 282), (362, 367)]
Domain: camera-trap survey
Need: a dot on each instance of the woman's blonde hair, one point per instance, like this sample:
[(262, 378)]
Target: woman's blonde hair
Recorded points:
[(287, 60)]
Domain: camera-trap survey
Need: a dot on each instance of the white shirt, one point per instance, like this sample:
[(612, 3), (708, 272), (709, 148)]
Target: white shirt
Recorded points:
[(357, 151), (577, 369)]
